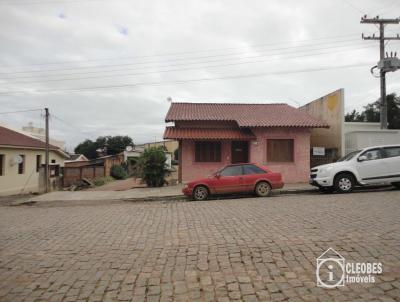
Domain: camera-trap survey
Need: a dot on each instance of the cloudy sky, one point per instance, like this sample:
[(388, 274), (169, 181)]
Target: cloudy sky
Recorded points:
[(108, 67)]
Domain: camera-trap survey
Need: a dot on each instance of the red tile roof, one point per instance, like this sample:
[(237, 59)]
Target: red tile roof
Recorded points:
[(9, 137), (246, 115), (200, 133)]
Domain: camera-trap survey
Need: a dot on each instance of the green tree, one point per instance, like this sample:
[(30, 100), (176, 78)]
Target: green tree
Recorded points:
[(371, 112), (393, 103), (151, 166), (110, 144), (117, 144), (87, 148), (354, 116)]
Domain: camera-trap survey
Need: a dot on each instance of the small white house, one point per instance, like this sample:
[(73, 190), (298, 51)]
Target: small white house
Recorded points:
[(22, 157)]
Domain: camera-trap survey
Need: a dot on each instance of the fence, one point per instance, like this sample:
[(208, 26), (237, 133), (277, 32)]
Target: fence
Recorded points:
[(329, 157), (72, 175)]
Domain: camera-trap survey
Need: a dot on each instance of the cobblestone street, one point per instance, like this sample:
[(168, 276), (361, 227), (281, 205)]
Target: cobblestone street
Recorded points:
[(252, 249)]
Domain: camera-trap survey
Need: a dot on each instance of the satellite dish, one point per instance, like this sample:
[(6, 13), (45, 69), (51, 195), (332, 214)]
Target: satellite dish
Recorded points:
[(129, 148), (17, 159)]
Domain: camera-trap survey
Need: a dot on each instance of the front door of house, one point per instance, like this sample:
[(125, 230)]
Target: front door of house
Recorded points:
[(239, 152)]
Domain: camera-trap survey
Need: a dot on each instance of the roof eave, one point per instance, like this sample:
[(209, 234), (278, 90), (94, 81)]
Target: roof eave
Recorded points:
[(61, 152)]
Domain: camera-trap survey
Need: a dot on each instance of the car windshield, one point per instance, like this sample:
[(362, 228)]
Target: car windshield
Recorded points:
[(349, 156)]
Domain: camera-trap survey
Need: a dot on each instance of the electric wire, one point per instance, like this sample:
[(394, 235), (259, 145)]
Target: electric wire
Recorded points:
[(92, 88)]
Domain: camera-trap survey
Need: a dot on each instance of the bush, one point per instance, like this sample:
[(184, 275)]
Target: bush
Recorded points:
[(151, 166), (102, 180), (118, 172)]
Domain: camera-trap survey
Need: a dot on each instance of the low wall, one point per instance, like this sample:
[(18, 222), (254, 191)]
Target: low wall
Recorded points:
[(72, 175)]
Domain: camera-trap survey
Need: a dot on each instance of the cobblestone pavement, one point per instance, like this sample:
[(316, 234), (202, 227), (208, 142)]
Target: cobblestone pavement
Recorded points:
[(254, 249)]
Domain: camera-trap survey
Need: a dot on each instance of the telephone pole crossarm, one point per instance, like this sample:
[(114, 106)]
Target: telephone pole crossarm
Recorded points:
[(377, 38), (377, 20), (392, 63)]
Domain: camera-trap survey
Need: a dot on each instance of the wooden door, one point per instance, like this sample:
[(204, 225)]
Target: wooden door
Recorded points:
[(239, 152)]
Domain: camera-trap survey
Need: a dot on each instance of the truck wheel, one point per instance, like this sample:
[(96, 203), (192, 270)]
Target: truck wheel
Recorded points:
[(200, 193), (396, 185), (263, 189), (344, 183)]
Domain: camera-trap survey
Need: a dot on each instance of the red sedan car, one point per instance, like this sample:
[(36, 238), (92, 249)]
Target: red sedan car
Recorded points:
[(235, 178)]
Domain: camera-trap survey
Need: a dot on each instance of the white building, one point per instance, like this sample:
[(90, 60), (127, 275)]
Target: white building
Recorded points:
[(41, 134), (361, 135)]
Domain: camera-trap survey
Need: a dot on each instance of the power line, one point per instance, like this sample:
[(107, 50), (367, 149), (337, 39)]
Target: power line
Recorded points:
[(191, 80), (47, 2), (181, 64), (353, 6), (185, 69), (384, 9), (331, 38), (28, 110), (185, 59), (364, 13), (71, 125)]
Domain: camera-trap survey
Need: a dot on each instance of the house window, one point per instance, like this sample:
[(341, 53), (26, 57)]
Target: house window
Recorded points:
[(21, 165), (38, 162), (53, 161), (280, 150), (2, 164), (208, 151), (54, 170)]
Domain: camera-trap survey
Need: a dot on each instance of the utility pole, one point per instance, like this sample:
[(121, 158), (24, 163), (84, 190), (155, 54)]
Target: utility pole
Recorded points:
[(46, 172), (382, 23)]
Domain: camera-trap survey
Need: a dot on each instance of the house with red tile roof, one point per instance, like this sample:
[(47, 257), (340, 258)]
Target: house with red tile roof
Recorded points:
[(212, 135), (22, 158)]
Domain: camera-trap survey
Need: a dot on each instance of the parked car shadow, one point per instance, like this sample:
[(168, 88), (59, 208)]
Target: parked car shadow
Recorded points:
[(367, 189), (236, 196)]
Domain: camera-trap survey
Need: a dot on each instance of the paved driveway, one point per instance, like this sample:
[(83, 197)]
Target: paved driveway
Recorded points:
[(244, 249)]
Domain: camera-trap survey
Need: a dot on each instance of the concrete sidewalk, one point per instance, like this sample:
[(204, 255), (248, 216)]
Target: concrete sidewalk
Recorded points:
[(141, 194)]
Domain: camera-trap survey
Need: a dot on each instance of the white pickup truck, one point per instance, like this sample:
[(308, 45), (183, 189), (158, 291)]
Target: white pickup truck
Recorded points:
[(369, 166)]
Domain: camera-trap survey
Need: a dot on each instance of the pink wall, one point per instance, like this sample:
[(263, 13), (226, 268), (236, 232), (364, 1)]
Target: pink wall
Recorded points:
[(297, 171), (192, 170)]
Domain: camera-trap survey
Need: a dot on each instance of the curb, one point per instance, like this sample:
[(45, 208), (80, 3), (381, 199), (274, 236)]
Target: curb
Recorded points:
[(298, 191), (157, 198)]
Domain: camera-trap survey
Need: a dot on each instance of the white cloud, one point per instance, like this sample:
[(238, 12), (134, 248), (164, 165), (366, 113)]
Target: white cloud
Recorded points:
[(122, 32)]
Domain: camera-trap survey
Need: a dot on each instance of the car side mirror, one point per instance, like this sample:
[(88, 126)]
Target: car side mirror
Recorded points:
[(362, 158), (217, 175)]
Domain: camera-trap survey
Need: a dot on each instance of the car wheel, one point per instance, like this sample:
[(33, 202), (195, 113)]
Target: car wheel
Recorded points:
[(200, 193), (396, 185), (326, 190), (263, 189), (344, 183)]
